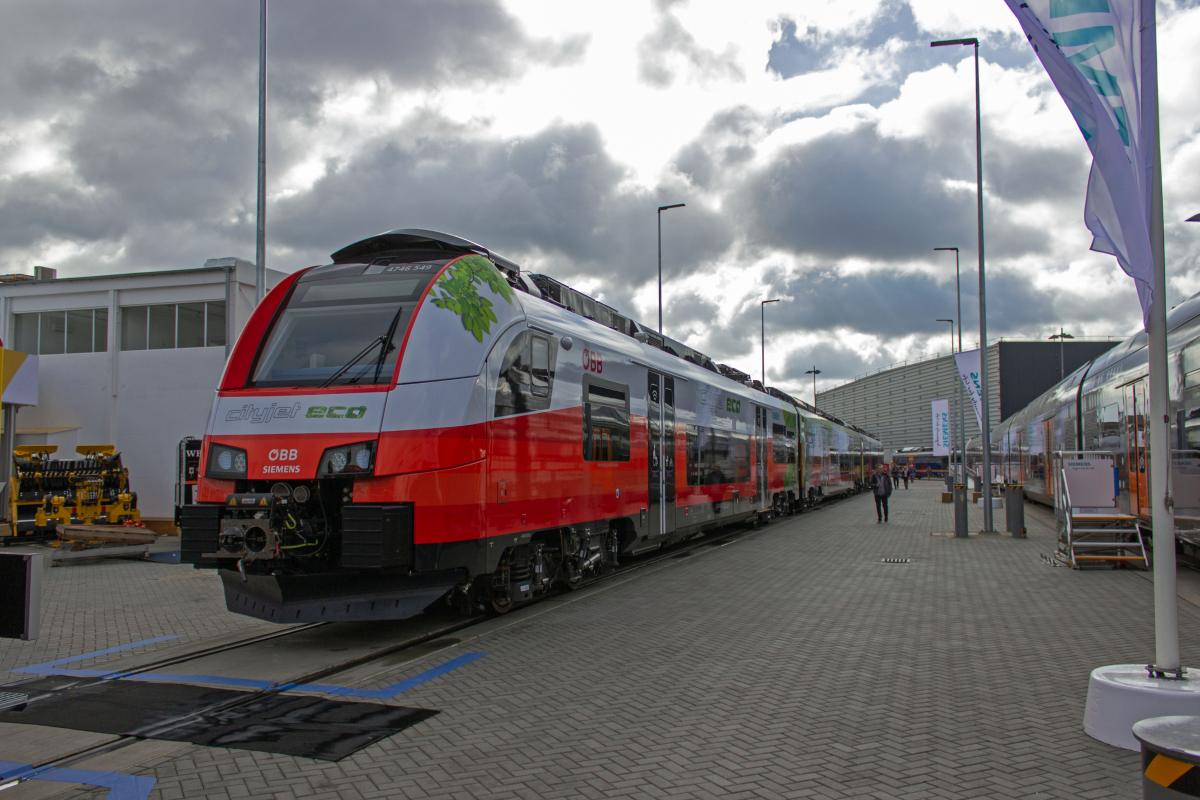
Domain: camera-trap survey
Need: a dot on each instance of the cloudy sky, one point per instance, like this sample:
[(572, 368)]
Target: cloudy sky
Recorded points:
[(822, 148)]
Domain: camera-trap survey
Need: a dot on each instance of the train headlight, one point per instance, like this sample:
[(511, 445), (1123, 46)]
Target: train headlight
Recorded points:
[(225, 462), (349, 459)]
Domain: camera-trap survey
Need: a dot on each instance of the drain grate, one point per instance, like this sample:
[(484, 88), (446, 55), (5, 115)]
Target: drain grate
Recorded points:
[(895, 560)]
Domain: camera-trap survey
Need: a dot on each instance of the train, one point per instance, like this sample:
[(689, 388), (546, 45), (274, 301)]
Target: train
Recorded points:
[(1103, 406), (421, 420)]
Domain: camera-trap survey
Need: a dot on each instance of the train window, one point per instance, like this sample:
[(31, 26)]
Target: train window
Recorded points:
[(526, 376), (605, 421), (339, 330), (540, 366), (717, 456), (784, 448)]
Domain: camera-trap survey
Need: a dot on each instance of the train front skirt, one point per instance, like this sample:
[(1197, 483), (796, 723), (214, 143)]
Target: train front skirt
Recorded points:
[(337, 597)]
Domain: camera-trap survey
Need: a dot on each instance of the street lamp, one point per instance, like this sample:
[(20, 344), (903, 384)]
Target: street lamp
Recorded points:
[(814, 372), (1060, 336), (962, 414), (983, 344), (957, 296), (260, 234), (660, 210), (762, 312), (950, 459), (951, 333)]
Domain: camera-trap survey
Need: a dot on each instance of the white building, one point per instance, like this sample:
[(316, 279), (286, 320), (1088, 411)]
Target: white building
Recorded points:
[(132, 360)]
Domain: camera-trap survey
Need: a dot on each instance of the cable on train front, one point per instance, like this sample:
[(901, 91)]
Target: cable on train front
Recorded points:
[(351, 411)]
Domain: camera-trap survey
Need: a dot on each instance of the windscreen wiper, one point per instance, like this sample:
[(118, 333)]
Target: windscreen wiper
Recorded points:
[(359, 356), (387, 337)]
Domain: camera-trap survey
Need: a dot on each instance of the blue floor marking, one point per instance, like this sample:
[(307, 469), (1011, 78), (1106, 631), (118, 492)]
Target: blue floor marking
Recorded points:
[(52, 668), (120, 785), (46, 667)]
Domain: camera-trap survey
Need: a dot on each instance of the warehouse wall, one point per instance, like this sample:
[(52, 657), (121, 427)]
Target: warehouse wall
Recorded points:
[(895, 404)]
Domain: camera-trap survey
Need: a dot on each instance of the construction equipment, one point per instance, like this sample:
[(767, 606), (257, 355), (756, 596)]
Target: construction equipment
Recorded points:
[(49, 493)]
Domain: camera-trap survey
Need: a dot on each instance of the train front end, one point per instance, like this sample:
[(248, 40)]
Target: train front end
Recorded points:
[(343, 468)]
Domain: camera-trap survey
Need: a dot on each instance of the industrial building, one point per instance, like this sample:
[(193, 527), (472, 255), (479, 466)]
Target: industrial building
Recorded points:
[(894, 403), (130, 359)]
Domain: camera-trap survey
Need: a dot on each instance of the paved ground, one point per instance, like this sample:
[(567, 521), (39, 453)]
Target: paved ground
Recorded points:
[(97, 604), (789, 664)]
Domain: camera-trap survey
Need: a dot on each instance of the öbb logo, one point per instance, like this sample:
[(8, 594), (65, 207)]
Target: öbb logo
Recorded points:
[(593, 361), (336, 412), (283, 454)]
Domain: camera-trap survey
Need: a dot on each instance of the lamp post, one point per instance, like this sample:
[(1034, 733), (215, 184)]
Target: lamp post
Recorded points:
[(814, 372), (660, 210), (1060, 336), (951, 332), (762, 313), (983, 344), (260, 238), (962, 415), (951, 458)]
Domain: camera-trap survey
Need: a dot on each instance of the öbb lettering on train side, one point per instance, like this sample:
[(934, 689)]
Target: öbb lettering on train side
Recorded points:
[(592, 361), (733, 405), (336, 412)]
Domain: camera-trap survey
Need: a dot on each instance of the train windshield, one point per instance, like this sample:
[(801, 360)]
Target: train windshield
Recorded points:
[(340, 330)]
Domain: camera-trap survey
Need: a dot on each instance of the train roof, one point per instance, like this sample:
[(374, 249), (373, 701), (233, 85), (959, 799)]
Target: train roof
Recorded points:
[(557, 294)]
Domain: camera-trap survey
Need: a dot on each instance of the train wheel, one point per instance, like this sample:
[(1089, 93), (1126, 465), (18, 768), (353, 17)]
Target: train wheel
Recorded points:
[(498, 590)]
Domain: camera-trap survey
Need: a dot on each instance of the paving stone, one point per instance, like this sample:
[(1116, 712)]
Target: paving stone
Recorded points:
[(791, 663)]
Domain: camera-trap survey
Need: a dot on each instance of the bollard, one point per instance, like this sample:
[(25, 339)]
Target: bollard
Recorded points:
[(1014, 509), (1170, 756), (960, 511)]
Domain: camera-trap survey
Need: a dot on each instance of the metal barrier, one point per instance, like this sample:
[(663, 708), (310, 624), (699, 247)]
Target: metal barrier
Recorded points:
[(1170, 757)]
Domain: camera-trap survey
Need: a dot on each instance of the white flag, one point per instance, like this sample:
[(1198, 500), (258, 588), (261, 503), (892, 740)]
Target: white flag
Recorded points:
[(1101, 56), (968, 373), (941, 427)]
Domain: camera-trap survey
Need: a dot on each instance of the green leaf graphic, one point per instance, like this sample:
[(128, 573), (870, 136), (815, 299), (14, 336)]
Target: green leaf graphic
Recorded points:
[(458, 291)]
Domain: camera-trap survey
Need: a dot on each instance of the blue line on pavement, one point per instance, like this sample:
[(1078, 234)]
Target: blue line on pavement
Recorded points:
[(256, 683), (120, 785), (395, 688), (45, 668)]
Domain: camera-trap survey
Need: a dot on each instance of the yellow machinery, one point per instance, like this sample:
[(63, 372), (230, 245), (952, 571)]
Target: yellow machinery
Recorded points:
[(49, 492)]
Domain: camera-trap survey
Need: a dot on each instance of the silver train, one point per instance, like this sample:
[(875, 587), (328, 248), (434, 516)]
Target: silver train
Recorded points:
[(1103, 405)]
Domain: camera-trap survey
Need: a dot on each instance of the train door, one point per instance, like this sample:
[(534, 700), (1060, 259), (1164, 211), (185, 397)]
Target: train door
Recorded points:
[(1136, 458), (1047, 450), (660, 476), (760, 437)]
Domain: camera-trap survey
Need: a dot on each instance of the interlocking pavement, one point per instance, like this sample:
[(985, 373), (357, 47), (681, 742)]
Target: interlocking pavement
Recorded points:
[(790, 663)]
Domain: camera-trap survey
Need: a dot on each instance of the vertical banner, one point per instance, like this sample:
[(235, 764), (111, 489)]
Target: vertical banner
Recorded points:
[(941, 427), (1101, 56), (968, 373)]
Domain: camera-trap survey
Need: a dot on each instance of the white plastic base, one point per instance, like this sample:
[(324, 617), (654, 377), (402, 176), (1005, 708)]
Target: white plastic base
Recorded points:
[(1121, 694)]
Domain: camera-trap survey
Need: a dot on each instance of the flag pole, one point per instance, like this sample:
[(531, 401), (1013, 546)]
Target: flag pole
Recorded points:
[(1166, 604)]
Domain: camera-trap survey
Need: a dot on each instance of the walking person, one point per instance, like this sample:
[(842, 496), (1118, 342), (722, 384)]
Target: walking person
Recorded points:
[(881, 488), (912, 473), (904, 476)]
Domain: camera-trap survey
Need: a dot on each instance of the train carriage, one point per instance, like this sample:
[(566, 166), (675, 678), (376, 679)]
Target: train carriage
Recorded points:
[(420, 419), (1103, 406)]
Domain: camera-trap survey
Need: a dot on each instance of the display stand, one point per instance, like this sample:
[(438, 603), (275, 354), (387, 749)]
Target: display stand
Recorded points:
[(1092, 527)]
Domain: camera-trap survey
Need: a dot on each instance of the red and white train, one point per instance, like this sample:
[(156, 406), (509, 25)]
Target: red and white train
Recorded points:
[(420, 418)]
